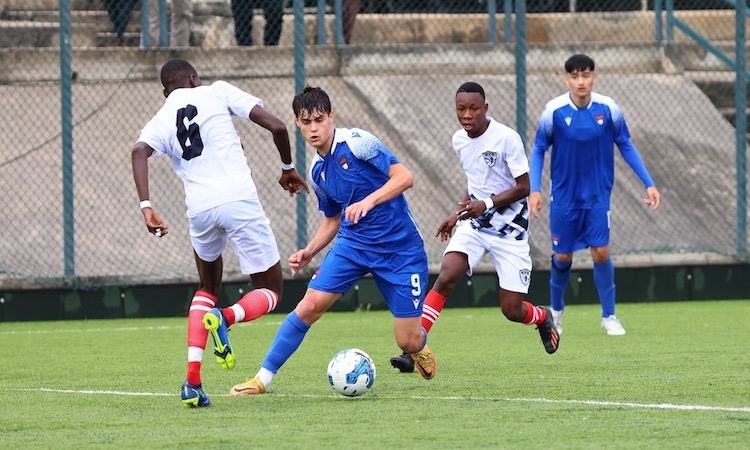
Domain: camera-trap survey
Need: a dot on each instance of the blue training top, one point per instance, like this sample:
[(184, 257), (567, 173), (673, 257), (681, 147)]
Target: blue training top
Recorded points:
[(356, 165), (582, 167)]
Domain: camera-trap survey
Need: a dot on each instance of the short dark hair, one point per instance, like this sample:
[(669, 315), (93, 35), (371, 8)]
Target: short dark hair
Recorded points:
[(311, 99), (579, 62), (471, 86), (174, 71)]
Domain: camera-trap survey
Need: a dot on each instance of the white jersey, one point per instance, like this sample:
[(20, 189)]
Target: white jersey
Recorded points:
[(492, 162), (195, 128)]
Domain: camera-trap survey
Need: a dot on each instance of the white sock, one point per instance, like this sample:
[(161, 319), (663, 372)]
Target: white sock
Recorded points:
[(265, 376)]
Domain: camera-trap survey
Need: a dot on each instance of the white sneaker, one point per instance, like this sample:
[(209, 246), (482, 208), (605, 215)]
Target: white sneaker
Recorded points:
[(612, 325), (557, 320)]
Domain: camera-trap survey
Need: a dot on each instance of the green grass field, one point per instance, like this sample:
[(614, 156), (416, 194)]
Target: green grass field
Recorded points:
[(679, 379)]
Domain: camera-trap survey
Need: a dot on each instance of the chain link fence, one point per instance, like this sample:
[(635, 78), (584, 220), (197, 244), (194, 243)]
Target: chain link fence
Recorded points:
[(70, 210)]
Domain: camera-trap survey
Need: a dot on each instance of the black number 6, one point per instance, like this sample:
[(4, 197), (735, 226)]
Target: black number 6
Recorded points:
[(190, 137)]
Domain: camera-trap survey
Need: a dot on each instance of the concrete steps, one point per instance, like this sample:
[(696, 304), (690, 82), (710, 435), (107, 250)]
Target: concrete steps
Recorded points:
[(36, 24)]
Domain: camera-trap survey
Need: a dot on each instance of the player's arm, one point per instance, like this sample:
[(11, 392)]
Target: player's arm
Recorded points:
[(326, 232), (475, 208), (445, 230), (542, 142), (139, 159), (399, 180), (631, 156), (290, 179), (536, 165)]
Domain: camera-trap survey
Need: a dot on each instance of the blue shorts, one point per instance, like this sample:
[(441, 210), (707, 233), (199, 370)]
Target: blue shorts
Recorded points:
[(576, 229), (400, 276)]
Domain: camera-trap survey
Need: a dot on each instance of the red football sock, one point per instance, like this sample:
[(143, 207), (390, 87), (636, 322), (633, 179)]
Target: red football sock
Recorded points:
[(433, 305), (251, 306), (197, 333), (534, 314)]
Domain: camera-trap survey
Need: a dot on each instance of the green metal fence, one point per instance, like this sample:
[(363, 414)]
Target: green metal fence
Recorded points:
[(76, 94)]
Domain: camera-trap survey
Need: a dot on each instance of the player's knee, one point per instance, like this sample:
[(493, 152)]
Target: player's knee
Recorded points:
[(309, 310)]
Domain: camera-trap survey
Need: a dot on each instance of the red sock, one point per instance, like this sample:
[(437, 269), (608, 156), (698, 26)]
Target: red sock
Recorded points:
[(197, 333), (534, 314), (433, 305), (251, 306)]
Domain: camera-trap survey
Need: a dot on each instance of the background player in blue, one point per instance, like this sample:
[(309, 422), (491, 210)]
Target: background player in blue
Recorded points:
[(582, 127), (359, 184)]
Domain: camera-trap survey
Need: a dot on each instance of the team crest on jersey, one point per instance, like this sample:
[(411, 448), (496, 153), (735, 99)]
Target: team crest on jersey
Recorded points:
[(344, 163), (525, 275), (600, 119), (490, 158)]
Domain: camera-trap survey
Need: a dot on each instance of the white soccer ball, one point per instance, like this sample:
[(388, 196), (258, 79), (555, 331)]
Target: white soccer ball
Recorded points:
[(351, 372)]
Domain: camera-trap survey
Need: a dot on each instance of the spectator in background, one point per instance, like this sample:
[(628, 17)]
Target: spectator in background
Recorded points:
[(350, 9), (273, 12), (180, 21), (153, 25), (119, 12)]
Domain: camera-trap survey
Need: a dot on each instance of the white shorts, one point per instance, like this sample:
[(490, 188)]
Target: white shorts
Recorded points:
[(245, 225), (509, 256)]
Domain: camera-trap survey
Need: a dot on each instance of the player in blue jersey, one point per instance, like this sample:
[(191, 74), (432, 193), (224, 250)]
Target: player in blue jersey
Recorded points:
[(492, 218), (359, 184), (582, 127)]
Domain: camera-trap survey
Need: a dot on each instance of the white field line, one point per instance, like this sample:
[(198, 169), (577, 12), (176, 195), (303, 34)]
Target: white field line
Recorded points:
[(124, 329), (415, 397)]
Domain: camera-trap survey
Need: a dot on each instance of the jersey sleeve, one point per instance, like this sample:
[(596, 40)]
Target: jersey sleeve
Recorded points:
[(542, 141), (367, 147), (627, 149), (238, 101), (151, 135), (515, 155)]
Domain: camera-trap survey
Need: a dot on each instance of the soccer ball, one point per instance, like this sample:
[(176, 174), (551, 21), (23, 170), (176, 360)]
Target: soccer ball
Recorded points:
[(351, 372)]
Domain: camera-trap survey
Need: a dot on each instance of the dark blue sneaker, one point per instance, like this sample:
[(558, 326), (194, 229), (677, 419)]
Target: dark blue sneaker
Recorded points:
[(403, 363), (216, 325), (193, 396)]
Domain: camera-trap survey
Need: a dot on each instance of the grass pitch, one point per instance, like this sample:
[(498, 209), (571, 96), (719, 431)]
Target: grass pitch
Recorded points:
[(679, 379)]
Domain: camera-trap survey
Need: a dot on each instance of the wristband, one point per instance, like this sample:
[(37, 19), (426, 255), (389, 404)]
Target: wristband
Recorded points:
[(489, 203), (145, 204), (285, 166)]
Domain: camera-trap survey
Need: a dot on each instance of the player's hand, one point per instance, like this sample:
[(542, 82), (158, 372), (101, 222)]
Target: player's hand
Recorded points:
[(299, 260), (535, 203), (654, 198), (154, 223), (292, 182), (445, 230), (470, 209), (357, 210)]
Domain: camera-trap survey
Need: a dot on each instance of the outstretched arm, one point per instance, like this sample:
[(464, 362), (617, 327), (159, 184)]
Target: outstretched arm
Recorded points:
[(290, 179)]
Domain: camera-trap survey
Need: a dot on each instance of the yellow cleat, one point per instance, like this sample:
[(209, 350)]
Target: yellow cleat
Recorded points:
[(425, 363), (214, 322), (253, 386)]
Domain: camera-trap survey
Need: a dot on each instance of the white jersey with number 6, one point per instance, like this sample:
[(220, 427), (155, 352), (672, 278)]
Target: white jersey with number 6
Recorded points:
[(194, 127)]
